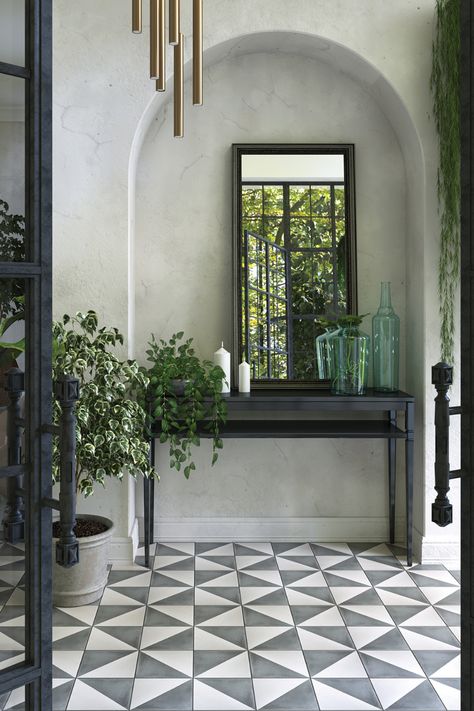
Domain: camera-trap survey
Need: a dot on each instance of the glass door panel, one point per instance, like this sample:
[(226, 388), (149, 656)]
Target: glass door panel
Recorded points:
[(12, 32)]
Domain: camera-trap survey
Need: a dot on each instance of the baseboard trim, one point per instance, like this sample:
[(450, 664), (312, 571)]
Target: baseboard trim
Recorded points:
[(274, 529), (433, 550), (123, 550)]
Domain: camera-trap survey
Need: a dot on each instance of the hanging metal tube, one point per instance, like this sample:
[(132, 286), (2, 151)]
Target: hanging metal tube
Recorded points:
[(161, 81), (154, 39), (179, 88), (175, 21), (197, 52), (136, 16)]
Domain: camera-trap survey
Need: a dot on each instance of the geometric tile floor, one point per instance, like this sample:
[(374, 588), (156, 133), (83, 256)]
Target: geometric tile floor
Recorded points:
[(282, 627)]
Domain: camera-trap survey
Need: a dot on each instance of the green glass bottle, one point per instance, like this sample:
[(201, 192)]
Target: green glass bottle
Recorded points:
[(386, 343), (350, 349), (323, 359)]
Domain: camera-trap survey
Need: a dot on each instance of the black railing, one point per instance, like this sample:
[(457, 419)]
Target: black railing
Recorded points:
[(442, 379), (66, 390)]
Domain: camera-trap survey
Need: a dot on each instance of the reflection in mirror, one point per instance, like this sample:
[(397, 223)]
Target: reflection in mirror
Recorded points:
[(295, 240)]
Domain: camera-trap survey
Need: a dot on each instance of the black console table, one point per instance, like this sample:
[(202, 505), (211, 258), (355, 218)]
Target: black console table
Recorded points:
[(320, 403)]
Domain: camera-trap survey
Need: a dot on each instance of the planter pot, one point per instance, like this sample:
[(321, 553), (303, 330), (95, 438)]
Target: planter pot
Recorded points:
[(179, 386), (85, 582)]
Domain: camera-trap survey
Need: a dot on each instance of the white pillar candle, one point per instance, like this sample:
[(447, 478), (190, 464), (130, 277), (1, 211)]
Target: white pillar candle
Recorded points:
[(244, 377), (222, 358)]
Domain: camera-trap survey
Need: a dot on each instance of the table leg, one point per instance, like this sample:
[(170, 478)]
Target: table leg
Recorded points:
[(146, 518), (152, 495), (409, 462), (392, 475)]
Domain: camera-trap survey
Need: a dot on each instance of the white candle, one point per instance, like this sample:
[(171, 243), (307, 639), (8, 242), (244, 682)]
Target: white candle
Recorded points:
[(244, 377), (222, 358)]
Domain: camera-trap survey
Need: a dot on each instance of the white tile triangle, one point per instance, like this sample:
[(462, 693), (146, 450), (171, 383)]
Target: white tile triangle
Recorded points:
[(420, 642), (328, 618), (314, 580), (67, 661), (123, 668), (235, 668), (296, 597), (17, 659), (268, 576), (368, 564), (349, 667), (206, 698), (402, 659), (425, 618), (85, 613), (204, 640), (365, 635), (102, 641), (379, 550), (392, 598), (389, 693), (327, 561), (330, 698), (134, 618), (454, 609), (343, 594), (302, 549), (434, 595), (186, 577), (451, 670), (182, 613), (204, 597), (209, 564), (15, 622), (187, 548), (248, 595), (287, 564), (164, 561), (293, 660), (268, 690), (9, 559), (456, 632), (443, 576), (7, 644), (342, 548), (229, 580), (259, 635), (276, 612), (399, 580), (450, 697), (16, 697), (245, 561), (181, 661), (159, 594), (225, 549), (310, 641), (357, 576), (375, 612), (114, 597), (145, 690), (84, 698), (230, 618), (261, 547), (17, 597), (154, 635), (12, 577), (63, 632), (137, 581)]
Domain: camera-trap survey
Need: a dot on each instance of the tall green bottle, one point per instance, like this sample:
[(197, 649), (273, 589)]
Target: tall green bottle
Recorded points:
[(386, 343)]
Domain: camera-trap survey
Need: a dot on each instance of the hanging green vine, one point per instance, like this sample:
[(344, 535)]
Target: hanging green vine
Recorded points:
[(445, 89)]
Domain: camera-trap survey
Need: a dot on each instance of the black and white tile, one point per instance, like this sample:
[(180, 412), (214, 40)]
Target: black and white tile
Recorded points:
[(278, 627)]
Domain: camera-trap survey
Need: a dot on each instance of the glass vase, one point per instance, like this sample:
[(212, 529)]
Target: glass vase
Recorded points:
[(350, 349), (386, 344), (323, 353)]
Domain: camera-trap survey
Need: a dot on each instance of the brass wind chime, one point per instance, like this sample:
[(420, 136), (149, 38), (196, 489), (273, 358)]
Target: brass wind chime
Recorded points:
[(176, 39)]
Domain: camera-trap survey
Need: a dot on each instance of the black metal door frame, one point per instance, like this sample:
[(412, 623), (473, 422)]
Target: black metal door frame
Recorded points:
[(36, 672)]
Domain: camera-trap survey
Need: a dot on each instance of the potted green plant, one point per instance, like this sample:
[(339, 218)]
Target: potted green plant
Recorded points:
[(111, 438), (186, 396)]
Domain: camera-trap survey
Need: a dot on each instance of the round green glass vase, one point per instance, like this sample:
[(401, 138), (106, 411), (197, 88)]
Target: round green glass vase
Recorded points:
[(323, 353), (386, 344), (350, 350)]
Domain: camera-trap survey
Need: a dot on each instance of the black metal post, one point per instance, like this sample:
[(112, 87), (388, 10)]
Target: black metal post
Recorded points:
[(442, 379), (66, 389), (13, 521), (392, 473)]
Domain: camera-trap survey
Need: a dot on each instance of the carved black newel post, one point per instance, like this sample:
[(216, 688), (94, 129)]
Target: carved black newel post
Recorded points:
[(13, 522), (442, 379), (66, 389)]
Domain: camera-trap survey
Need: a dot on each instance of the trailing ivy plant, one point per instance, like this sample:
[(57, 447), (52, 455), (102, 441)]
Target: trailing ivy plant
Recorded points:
[(445, 89), (186, 396), (111, 423)]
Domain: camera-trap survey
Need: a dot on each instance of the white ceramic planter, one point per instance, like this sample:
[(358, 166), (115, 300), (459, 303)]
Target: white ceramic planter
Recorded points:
[(85, 582)]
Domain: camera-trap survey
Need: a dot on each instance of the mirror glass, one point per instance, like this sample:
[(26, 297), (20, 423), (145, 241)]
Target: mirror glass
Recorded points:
[(294, 246)]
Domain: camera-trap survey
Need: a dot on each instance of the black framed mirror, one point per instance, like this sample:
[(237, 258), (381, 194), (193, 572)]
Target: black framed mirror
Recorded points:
[(294, 256)]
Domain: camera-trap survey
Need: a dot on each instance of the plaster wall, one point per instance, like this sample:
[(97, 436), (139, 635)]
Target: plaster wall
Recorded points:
[(104, 106)]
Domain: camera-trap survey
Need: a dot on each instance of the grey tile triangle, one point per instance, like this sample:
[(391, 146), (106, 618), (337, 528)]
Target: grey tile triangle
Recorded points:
[(186, 597), (179, 699), (167, 581), (203, 613), (423, 697), (234, 635), (381, 668), (256, 619), (206, 576), (282, 548), (73, 642), (61, 695), (156, 618), (62, 619), (149, 668), (183, 641), (317, 661), (330, 549), (452, 619), (206, 660), (163, 549), (442, 634), (119, 690), (286, 640), (203, 548), (380, 576), (452, 598), (129, 635), (347, 564), (225, 560), (265, 668), (318, 593), (401, 613), (238, 689), (454, 683), (248, 581), (231, 594), (187, 563), (268, 564), (93, 660), (119, 576), (432, 661), (300, 699), (139, 595), (357, 688), (361, 547), (392, 640), (272, 597)]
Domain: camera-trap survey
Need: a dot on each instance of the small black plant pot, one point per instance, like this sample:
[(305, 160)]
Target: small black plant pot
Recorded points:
[(179, 386)]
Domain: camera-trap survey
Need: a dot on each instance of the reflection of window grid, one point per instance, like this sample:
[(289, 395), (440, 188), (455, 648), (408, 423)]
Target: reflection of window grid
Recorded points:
[(266, 343), (278, 226)]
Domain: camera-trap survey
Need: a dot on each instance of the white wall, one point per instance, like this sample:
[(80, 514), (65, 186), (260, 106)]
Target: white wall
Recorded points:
[(103, 105)]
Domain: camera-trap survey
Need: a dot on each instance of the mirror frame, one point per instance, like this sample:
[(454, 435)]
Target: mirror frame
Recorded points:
[(240, 149)]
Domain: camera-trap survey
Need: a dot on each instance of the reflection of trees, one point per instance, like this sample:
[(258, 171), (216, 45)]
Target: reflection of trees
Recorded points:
[(309, 221)]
